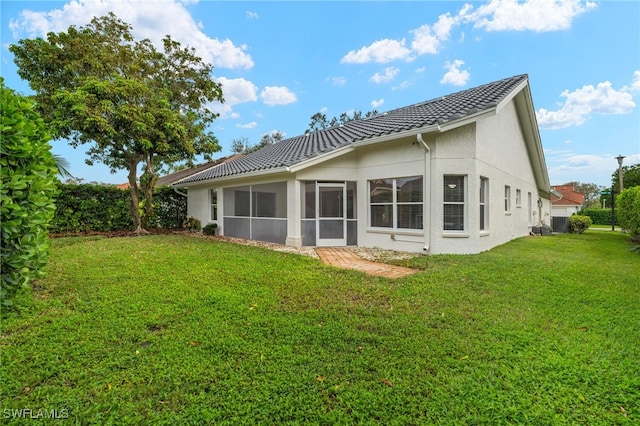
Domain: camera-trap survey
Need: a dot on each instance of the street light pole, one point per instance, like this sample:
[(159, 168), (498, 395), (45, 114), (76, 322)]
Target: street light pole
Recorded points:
[(621, 181), (620, 178)]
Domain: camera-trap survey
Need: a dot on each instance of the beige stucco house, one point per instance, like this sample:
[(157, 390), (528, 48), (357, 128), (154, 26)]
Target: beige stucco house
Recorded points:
[(461, 173)]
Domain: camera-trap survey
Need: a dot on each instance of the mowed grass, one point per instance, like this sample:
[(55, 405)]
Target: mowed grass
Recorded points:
[(182, 330)]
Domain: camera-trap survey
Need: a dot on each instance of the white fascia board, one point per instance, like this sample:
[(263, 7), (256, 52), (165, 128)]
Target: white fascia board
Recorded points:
[(512, 95), (243, 176), (318, 159)]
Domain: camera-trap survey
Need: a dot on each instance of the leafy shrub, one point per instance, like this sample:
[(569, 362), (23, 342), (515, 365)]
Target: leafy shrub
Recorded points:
[(88, 207), (169, 208), (628, 206), (599, 216), (192, 224), (210, 229), (102, 208), (578, 224), (28, 172)]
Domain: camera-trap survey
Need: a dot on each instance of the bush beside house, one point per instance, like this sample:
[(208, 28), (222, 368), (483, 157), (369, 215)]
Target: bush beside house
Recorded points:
[(28, 190), (578, 224)]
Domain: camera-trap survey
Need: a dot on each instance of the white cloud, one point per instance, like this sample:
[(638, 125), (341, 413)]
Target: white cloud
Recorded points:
[(252, 15), (149, 19), (381, 51), (250, 125), (338, 81), (376, 104), (427, 38), (635, 84), (582, 103), (530, 15), (277, 95), (238, 90), (454, 74), (566, 165), (389, 74)]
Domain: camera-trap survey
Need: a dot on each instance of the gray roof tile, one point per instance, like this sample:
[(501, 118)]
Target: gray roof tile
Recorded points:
[(299, 148)]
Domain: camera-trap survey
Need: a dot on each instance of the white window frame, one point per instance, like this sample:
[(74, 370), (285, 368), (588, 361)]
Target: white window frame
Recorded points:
[(213, 202), (483, 212), (463, 203), (394, 203), (507, 199), (518, 198)]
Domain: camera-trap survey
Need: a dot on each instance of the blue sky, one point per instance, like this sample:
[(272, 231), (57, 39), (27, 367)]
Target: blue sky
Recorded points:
[(281, 62)]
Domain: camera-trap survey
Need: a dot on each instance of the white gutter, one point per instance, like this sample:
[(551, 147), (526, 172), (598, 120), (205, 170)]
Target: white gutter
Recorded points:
[(178, 192), (427, 178)]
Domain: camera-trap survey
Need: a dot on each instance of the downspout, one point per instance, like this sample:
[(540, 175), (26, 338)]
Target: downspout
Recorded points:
[(179, 193), (427, 180)]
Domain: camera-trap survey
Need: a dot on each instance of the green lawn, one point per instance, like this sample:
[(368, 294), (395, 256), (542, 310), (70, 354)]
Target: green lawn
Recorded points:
[(180, 330)]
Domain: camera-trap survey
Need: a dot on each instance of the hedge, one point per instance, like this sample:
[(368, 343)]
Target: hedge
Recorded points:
[(599, 216), (27, 195), (628, 206), (99, 208)]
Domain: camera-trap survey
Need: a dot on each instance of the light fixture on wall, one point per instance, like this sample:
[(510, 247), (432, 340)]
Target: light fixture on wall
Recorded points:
[(539, 203), (452, 186)]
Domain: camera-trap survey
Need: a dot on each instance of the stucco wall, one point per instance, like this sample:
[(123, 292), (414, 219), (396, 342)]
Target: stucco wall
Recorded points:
[(492, 147)]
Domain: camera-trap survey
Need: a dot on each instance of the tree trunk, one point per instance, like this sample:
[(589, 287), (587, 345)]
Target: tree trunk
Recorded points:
[(135, 196), (148, 183)]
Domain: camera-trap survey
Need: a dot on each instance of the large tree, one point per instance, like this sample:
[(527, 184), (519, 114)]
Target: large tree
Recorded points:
[(135, 105), (630, 175)]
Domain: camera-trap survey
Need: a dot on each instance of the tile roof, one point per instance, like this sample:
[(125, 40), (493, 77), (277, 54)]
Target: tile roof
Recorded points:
[(569, 196), (436, 111)]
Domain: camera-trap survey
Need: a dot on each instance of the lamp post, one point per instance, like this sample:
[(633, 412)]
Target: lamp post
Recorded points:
[(620, 178), (621, 181)]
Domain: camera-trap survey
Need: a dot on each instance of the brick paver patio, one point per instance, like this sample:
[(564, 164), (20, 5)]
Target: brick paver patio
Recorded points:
[(345, 258)]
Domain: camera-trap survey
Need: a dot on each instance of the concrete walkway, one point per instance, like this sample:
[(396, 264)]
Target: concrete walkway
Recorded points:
[(345, 258)]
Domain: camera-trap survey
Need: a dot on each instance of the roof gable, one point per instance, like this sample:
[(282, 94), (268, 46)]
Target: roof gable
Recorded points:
[(435, 112), (569, 196)]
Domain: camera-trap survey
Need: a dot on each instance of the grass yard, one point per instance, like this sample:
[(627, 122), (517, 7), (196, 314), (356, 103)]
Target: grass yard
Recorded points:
[(172, 329)]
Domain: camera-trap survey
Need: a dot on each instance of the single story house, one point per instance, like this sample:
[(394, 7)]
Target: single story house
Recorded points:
[(461, 173), (565, 201)]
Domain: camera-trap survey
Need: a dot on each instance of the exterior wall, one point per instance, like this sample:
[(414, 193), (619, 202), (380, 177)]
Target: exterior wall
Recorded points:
[(493, 147), (394, 159), (564, 211)]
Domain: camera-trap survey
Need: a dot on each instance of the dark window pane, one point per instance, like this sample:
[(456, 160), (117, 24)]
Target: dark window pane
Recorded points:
[(454, 189), (409, 189), (382, 216), (381, 190), (410, 216), (242, 203), (454, 217)]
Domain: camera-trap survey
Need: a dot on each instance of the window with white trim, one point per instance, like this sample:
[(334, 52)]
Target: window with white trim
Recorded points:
[(396, 203), (454, 203), (214, 204), (484, 205), (518, 198), (507, 199)]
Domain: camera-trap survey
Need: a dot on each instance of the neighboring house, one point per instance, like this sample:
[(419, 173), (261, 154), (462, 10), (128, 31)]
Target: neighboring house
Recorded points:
[(184, 173), (460, 173), (565, 201)]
